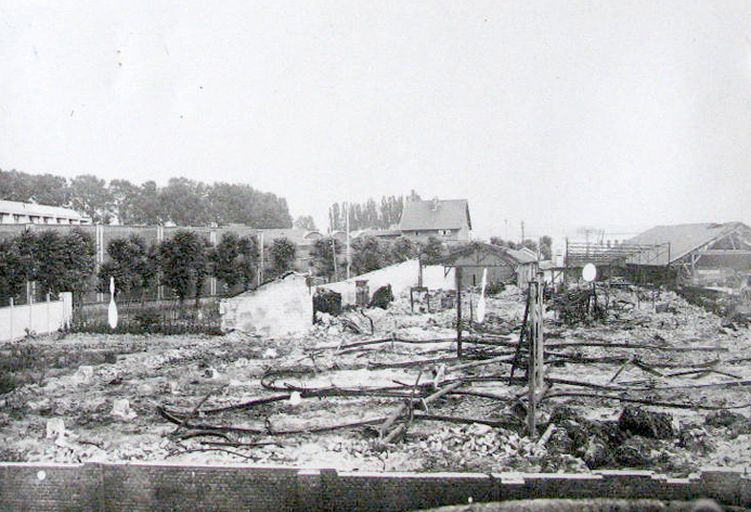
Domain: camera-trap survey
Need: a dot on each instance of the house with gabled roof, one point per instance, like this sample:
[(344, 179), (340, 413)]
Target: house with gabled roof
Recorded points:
[(446, 219)]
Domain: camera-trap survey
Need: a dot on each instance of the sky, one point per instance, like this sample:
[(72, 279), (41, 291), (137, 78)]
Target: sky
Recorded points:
[(620, 114)]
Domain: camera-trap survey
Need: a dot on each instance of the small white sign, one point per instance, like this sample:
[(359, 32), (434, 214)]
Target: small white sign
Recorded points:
[(589, 272)]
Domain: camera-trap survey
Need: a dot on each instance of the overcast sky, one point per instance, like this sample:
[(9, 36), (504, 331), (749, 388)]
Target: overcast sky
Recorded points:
[(557, 112)]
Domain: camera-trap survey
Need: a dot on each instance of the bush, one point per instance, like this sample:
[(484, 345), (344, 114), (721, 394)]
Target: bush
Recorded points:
[(184, 263), (283, 252), (8, 382)]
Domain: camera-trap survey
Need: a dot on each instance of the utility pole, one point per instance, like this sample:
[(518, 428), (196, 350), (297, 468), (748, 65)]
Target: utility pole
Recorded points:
[(348, 251), (522, 242)]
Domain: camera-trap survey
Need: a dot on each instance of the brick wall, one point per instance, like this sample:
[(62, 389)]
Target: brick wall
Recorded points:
[(136, 487)]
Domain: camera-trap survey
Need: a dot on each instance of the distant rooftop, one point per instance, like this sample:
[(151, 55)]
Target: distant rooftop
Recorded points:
[(435, 214), (39, 210)]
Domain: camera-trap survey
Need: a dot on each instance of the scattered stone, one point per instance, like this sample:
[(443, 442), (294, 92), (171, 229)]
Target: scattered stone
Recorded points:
[(696, 440), (635, 452), (121, 409), (270, 353), (596, 455), (724, 419), (55, 428), (639, 421), (84, 374)]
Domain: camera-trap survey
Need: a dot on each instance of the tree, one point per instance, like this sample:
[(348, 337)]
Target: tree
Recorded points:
[(90, 195), (183, 262), (403, 249), (185, 202), (225, 259), (305, 222), (546, 247), (124, 197), (283, 252), (146, 207), (12, 273), (49, 257), (322, 255), (50, 189), (132, 263), (368, 254), (431, 251), (247, 247), (25, 246), (79, 261), (496, 240), (242, 204), (367, 215)]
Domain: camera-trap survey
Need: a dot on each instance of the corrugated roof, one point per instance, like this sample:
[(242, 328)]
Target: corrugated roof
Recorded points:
[(448, 214), (683, 239), (41, 210)]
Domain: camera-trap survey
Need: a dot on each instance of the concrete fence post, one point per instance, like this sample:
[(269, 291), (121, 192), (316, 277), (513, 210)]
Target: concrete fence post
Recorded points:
[(49, 327), (12, 310)]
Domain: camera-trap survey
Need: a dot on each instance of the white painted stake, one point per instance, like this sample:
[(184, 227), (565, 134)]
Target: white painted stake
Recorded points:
[(112, 312)]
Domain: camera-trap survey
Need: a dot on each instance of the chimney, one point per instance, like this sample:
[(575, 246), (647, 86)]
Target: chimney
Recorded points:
[(435, 204)]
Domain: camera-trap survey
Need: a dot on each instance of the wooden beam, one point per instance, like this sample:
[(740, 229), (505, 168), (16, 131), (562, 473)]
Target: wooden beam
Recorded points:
[(725, 252)]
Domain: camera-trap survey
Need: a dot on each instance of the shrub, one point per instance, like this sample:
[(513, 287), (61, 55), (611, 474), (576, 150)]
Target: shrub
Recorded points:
[(184, 263), (283, 253)]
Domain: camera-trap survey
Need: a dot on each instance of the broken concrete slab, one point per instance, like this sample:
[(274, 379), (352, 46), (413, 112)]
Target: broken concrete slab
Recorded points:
[(279, 308)]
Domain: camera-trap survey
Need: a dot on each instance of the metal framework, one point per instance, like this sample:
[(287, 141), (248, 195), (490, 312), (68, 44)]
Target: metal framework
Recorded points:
[(579, 254)]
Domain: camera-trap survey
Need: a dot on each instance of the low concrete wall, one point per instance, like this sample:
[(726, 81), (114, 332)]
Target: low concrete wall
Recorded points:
[(41, 318), (135, 487), (278, 308)]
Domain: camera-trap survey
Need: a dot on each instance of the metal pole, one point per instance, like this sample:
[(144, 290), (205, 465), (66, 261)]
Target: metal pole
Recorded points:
[(348, 248), (11, 318)]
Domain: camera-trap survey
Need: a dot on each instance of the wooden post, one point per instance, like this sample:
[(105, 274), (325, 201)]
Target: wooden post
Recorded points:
[(536, 369), (333, 254), (458, 272)]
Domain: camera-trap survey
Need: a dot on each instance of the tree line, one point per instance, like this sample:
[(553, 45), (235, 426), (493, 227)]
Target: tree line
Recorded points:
[(370, 214), (182, 201), (545, 246)]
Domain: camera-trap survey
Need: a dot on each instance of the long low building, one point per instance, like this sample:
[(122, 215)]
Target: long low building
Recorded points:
[(14, 212), (705, 253)]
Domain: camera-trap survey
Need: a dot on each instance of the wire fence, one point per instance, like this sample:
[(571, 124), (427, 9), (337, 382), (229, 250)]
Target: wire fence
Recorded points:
[(153, 317)]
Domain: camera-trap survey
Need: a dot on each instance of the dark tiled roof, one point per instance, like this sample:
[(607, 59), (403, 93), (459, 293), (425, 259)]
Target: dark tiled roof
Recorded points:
[(448, 214)]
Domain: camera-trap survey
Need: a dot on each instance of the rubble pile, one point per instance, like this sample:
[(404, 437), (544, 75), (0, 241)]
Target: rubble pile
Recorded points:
[(655, 383)]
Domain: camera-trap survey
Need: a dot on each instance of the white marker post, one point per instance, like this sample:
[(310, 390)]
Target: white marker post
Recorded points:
[(112, 311), (481, 302)]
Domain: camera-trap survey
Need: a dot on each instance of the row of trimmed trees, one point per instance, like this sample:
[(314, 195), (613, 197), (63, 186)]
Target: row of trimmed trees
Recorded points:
[(67, 262), (55, 262)]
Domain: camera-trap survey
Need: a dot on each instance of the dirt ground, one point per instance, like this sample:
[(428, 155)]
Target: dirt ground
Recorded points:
[(79, 378)]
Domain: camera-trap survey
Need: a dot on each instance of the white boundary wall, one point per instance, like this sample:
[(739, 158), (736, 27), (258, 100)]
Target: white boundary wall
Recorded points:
[(400, 276), (41, 318)]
